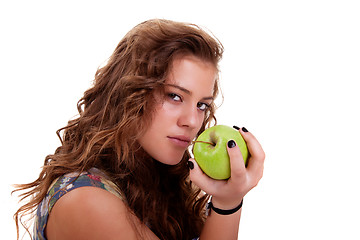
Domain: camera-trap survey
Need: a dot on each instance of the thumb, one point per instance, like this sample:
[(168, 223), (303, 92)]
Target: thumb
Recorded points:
[(199, 178)]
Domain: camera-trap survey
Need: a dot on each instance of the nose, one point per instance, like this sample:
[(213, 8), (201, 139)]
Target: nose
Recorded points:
[(189, 117)]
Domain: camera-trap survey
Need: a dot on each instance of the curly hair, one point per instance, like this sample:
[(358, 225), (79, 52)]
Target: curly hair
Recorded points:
[(115, 112)]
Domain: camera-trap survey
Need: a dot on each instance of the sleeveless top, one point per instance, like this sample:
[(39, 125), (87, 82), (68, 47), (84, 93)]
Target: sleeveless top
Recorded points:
[(64, 184)]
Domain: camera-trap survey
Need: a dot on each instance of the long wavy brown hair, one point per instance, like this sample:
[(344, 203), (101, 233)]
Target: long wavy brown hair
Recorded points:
[(114, 112)]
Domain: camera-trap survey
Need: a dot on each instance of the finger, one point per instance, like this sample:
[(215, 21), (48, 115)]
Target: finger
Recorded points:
[(252, 143), (257, 155), (236, 160), (199, 178)]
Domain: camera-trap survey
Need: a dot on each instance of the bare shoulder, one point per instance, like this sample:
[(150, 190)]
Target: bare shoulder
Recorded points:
[(93, 213)]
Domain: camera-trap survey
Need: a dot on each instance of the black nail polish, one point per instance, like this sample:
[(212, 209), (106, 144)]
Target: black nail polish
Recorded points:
[(231, 143), (244, 129), (236, 127), (190, 165)]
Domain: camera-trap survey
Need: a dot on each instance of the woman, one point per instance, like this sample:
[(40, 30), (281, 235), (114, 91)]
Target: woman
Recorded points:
[(123, 170)]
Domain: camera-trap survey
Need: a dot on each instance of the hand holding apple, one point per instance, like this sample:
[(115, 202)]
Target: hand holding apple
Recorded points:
[(210, 150)]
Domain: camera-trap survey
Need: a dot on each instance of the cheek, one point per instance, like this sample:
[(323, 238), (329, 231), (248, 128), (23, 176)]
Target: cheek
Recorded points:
[(167, 116), (163, 116), (155, 141)]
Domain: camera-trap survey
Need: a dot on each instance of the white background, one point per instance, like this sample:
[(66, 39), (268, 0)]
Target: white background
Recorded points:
[(290, 74)]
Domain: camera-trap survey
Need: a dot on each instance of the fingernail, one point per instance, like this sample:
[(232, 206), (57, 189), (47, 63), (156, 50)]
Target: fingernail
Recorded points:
[(244, 129), (231, 143), (236, 127), (190, 165)]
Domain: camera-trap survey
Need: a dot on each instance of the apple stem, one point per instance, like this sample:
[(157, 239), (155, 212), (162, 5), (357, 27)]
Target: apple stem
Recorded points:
[(204, 142)]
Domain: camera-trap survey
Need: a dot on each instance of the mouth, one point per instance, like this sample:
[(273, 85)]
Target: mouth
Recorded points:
[(181, 141)]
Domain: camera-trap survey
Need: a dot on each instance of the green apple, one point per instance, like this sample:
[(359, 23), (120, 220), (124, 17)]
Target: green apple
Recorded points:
[(211, 154)]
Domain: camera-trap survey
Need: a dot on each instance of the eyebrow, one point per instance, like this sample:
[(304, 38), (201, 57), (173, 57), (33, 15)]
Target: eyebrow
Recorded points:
[(187, 91)]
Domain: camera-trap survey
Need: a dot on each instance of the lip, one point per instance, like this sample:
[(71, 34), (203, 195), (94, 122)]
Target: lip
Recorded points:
[(180, 140)]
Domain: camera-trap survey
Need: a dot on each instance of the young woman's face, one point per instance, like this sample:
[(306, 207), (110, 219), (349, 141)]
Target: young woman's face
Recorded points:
[(179, 115)]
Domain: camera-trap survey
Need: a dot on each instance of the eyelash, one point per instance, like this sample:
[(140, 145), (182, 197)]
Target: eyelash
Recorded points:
[(172, 96), (207, 106)]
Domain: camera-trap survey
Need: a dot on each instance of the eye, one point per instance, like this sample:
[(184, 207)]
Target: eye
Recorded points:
[(203, 106), (175, 97)]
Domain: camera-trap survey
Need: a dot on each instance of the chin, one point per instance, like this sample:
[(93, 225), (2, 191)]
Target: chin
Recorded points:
[(170, 160)]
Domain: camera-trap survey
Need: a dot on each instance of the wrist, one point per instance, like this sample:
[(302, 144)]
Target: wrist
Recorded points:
[(225, 203), (224, 210)]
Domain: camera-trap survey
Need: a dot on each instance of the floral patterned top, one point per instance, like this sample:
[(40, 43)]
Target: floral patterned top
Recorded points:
[(63, 185)]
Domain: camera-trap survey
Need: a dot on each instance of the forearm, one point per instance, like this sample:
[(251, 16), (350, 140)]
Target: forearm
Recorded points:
[(221, 226)]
